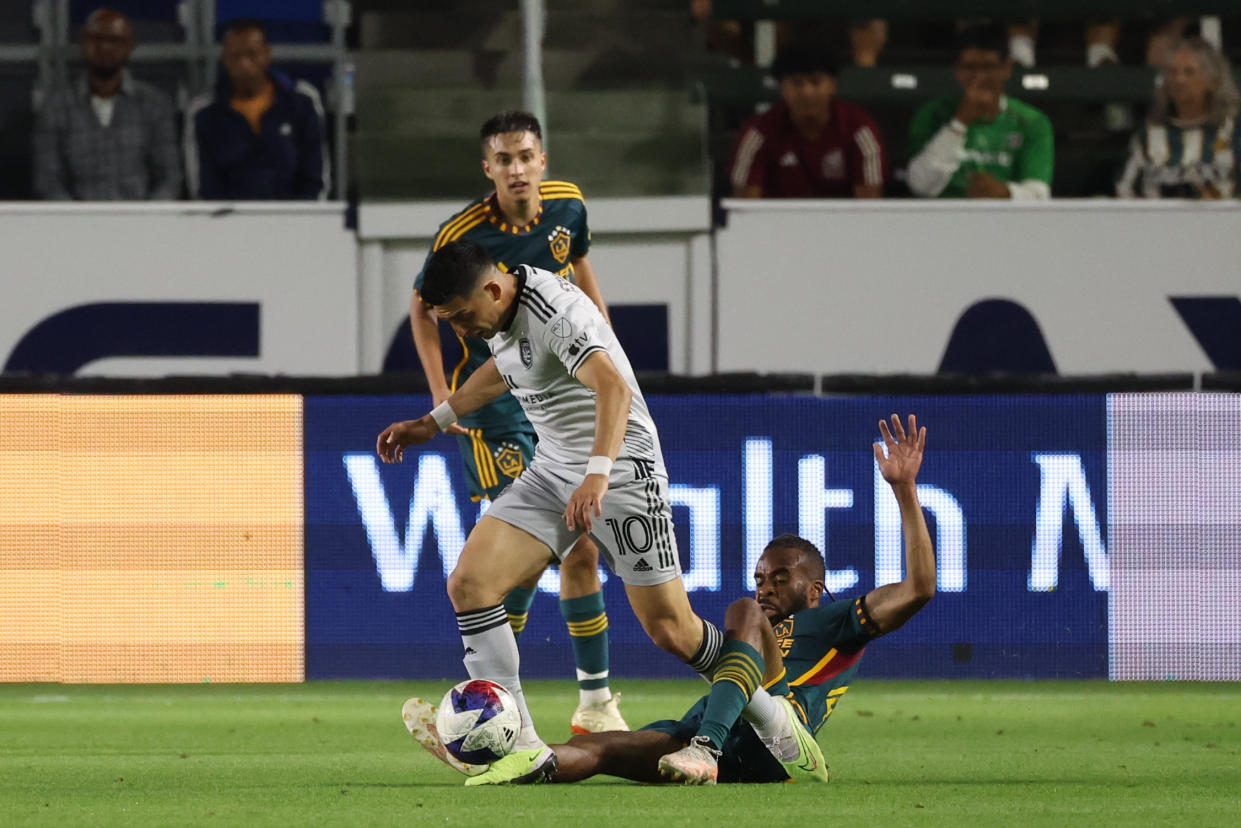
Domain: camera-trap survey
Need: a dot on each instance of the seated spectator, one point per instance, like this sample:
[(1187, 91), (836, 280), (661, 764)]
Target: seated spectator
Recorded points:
[(107, 137), (1189, 145), (983, 144), (811, 144), (261, 135)]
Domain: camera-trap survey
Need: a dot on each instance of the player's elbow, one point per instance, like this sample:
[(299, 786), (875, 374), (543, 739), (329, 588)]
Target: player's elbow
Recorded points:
[(617, 391), (922, 591)]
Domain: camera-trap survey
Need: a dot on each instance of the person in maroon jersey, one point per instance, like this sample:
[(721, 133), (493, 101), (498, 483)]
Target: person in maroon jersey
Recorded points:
[(811, 144)]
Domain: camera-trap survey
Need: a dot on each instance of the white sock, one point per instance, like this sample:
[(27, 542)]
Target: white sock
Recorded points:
[(769, 721), (491, 653), (1021, 50), (594, 698)]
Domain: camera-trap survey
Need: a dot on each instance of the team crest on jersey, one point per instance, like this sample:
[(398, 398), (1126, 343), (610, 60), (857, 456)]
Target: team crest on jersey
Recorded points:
[(527, 353), (510, 462), (784, 635), (1015, 140), (558, 240)]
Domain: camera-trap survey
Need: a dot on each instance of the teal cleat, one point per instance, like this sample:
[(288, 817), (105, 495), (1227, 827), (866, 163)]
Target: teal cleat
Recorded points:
[(521, 767)]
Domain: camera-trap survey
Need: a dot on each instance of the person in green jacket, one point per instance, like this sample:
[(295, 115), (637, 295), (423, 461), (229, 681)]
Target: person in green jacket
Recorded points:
[(982, 144)]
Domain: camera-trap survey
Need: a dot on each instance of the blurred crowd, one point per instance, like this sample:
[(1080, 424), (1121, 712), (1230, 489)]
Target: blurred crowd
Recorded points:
[(979, 142), (108, 135)]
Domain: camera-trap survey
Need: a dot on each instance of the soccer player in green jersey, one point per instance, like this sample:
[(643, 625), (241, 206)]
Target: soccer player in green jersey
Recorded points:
[(525, 220), (788, 659), (983, 144)]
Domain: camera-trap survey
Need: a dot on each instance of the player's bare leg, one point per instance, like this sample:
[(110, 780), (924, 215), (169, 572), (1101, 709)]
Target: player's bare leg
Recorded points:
[(670, 621), (497, 557), (581, 604), (627, 755)]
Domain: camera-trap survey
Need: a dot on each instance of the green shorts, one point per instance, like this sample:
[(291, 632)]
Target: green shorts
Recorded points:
[(744, 758), (493, 461)]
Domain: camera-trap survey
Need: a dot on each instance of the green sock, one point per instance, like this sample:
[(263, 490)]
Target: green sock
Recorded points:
[(737, 673), (517, 605), (587, 620)]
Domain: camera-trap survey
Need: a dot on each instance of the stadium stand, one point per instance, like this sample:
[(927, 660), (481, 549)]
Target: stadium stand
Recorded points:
[(620, 123), (915, 65)]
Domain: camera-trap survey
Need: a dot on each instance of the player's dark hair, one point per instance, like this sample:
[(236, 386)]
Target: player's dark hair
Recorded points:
[(510, 120), (812, 558), (989, 37), (454, 271), (804, 58), (243, 24)]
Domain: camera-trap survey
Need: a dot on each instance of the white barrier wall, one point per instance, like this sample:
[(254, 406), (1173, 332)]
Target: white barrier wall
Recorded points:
[(844, 287), (644, 251), (822, 287), (296, 262)]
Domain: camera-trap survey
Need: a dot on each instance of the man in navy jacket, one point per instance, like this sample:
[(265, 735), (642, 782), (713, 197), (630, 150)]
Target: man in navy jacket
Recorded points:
[(261, 135)]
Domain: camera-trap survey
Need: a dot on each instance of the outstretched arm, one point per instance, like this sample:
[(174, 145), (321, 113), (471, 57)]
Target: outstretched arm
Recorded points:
[(483, 386), (891, 605)]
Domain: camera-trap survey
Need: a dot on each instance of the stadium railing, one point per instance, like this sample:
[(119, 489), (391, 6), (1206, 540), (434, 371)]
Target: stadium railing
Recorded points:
[(652, 383)]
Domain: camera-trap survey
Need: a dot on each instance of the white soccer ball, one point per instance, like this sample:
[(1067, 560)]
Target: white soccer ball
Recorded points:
[(478, 721)]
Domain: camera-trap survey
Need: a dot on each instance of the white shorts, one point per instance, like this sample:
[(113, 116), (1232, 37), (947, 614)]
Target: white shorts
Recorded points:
[(634, 534)]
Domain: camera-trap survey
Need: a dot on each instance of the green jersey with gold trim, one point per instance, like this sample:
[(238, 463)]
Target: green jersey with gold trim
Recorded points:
[(822, 647), (558, 235)]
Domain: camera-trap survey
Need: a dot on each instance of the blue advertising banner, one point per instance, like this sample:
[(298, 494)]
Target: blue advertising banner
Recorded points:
[(1014, 487)]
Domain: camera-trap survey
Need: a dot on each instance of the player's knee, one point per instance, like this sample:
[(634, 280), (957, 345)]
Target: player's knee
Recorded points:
[(469, 590), (581, 568), (743, 614), (668, 635)]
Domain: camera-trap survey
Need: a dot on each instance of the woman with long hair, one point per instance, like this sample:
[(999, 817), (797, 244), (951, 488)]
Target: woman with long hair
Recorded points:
[(1189, 145)]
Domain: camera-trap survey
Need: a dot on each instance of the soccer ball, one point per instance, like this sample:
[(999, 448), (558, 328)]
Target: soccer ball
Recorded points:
[(478, 721)]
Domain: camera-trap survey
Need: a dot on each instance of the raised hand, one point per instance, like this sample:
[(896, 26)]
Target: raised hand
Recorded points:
[(904, 451)]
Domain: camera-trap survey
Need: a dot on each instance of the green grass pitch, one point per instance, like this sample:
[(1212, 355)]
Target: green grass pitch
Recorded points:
[(915, 753)]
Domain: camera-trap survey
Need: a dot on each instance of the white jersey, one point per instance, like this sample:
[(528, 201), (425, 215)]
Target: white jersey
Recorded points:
[(556, 328)]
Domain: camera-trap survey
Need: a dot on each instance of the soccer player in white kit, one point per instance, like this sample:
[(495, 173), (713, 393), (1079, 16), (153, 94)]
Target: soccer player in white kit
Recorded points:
[(598, 469)]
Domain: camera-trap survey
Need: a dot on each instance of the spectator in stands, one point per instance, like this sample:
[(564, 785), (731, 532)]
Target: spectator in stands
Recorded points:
[(106, 137), (983, 144), (811, 144), (261, 135), (1189, 145)]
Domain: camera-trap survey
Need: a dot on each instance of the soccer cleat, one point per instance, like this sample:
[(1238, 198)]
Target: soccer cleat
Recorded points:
[(419, 719), (598, 718), (798, 751), (521, 767), (695, 764)]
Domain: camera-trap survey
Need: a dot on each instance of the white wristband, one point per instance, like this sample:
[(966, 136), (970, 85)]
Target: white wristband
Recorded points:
[(598, 464), (443, 415)]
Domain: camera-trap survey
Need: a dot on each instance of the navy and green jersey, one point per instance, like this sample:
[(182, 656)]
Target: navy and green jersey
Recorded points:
[(821, 648), (1016, 146), (556, 236)]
